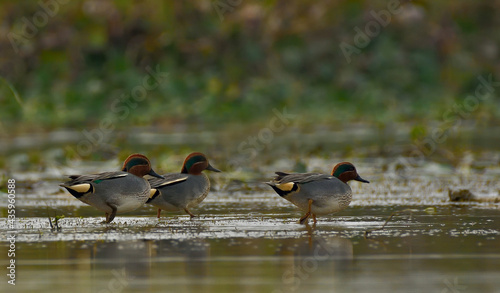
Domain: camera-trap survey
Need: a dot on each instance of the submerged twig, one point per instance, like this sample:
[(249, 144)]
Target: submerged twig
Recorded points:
[(55, 226), (51, 226), (387, 221)]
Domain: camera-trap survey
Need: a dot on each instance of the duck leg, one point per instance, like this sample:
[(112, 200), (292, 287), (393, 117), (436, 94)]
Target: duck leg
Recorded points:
[(306, 216), (158, 213), (110, 217), (187, 211), (314, 218)]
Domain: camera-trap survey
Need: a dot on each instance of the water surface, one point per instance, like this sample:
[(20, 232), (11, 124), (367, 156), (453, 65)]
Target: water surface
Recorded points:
[(247, 238)]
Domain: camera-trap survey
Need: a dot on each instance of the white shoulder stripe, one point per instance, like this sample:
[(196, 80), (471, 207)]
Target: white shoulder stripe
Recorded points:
[(166, 183)]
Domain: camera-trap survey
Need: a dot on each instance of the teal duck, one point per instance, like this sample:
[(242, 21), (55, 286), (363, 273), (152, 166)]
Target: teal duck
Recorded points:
[(115, 192), (184, 190), (315, 193)]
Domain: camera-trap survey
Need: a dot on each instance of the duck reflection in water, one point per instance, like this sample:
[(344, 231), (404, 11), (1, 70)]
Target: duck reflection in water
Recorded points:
[(314, 256)]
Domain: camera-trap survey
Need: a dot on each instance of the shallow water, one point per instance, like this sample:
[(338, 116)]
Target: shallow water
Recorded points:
[(455, 247), (247, 238)]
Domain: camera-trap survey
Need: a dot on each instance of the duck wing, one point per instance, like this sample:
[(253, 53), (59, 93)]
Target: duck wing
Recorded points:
[(282, 177), (285, 183), (80, 185), (79, 179), (170, 179)]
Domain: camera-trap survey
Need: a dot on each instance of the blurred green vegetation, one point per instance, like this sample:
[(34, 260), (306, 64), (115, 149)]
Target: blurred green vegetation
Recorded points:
[(233, 66)]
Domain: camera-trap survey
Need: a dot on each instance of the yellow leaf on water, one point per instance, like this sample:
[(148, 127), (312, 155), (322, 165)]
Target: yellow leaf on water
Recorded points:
[(430, 210)]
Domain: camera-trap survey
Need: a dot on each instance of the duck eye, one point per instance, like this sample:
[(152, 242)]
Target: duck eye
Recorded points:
[(347, 168)]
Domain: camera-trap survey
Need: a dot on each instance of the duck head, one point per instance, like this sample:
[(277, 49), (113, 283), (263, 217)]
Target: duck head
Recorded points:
[(195, 163), (346, 171), (139, 165)]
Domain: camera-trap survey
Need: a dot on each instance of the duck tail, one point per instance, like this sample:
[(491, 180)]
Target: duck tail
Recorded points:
[(153, 193), (285, 188), (79, 190)]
